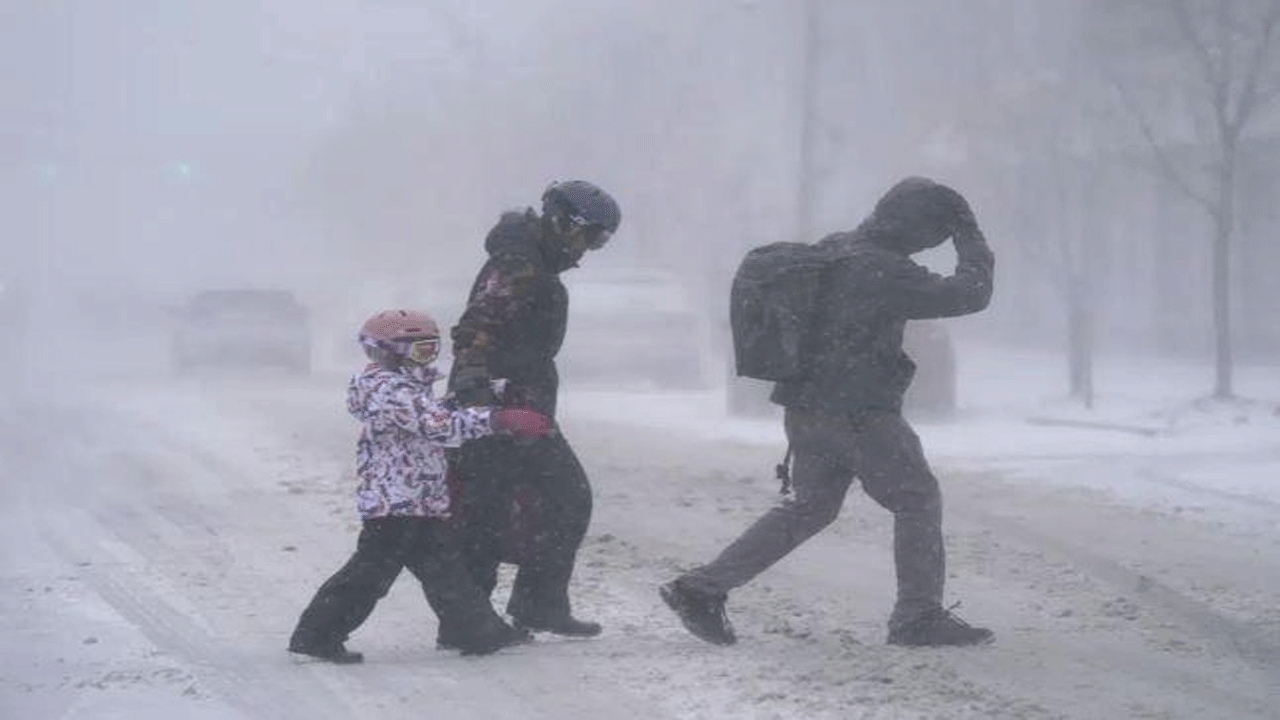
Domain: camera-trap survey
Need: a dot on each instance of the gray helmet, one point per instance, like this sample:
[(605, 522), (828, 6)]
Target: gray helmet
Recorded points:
[(583, 203)]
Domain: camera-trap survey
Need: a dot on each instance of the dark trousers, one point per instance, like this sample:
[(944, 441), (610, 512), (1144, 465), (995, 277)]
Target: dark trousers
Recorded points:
[(428, 548), (491, 473), (884, 453)]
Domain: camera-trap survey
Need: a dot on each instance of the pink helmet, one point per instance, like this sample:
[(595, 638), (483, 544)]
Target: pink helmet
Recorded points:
[(392, 337)]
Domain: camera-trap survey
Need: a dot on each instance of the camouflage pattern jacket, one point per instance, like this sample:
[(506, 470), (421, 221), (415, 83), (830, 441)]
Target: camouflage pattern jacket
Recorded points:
[(516, 315), (400, 459)]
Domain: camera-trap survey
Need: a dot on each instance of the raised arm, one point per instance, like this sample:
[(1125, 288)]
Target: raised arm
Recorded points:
[(920, 294)]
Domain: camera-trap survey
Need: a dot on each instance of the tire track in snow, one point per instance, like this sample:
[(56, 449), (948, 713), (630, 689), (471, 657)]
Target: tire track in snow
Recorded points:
[(1251, 501), (1258, 649), (509, 684), (81, 528), (1103, 658), (233, 678), (1230, 636)]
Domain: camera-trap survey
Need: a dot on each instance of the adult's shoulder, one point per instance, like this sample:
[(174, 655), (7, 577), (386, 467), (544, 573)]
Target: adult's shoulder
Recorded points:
[(515, 234), (856, 253)]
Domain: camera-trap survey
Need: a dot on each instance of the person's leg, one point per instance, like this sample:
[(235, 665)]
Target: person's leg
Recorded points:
[(895, 473), (482, 470), (524, 526), (345, 600), (820, 477), (893, 470), (479, 475), (432, 554), (540, 592)]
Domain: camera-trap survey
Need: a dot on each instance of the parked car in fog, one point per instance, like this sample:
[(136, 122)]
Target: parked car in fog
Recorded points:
[(633, 328), (242, 328), (932, 394)]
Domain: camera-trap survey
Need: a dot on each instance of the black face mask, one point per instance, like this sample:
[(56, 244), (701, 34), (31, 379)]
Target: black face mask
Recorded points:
[(596, 237), (560, 257), (556, 251), (567, 238)]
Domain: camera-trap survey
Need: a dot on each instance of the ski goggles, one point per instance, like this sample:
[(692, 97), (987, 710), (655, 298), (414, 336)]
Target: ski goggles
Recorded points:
[(593, 236), (420, 351)]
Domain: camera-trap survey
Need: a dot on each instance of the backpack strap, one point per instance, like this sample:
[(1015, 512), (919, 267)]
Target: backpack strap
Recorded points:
[(783, 472)]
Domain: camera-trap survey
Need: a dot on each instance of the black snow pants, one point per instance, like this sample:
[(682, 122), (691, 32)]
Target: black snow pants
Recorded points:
[(429, 549), (491, 473)]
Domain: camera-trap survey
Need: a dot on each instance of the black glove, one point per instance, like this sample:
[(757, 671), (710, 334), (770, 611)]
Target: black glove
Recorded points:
[(963, 223), (471, 387)]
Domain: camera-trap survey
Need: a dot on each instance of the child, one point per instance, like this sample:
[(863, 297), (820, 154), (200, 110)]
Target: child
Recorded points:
[(403, 498)]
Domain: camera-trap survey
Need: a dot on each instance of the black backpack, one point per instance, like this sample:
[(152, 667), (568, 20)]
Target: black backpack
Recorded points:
[(772, 303)]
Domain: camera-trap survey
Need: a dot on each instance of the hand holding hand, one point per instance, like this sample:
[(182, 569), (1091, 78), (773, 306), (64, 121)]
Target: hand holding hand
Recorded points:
[(520, 422)]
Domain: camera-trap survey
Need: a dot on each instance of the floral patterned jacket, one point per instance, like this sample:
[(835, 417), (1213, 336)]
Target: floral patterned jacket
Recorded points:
[(400, 458)]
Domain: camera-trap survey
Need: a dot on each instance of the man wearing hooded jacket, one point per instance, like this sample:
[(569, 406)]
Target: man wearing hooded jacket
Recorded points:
[(511, 330), (843, 418)]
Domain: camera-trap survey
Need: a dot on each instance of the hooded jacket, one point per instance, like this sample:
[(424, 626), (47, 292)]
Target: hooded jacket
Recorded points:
[(871, 291), (516, 314), (400, 457)]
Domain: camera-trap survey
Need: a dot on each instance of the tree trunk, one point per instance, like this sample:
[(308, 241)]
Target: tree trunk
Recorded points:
[(1224, 220), (1080, 340), (1079, 242), (1222, 312)]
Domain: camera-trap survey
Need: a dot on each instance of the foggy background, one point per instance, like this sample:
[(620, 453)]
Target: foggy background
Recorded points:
[(356, 152), (1116, 526)]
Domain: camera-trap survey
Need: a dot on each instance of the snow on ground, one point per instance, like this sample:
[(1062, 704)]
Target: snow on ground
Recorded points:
[(158, 538)]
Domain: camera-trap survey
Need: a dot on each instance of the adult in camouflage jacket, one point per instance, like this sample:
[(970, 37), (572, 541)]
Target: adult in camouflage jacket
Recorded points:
[(508, 336)]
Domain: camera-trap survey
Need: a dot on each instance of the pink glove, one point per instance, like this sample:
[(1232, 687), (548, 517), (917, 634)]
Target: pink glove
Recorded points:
[(520, 422)]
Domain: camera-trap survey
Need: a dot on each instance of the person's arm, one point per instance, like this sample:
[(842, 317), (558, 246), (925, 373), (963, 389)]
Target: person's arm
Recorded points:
[(407, 405), (395, 402), (507, 286), (920, 294)]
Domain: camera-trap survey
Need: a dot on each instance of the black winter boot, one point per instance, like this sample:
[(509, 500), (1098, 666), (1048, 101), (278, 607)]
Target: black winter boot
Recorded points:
[(335, 652), (702, 613), (447, 640), (936, 627), (502, 636)]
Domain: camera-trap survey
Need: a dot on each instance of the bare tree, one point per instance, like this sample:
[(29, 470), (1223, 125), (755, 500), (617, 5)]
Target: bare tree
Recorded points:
[(1045, 124), (1198, 75), (1072, 245)]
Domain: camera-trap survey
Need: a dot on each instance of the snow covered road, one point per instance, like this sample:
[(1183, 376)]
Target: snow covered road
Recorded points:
[(160, 539)]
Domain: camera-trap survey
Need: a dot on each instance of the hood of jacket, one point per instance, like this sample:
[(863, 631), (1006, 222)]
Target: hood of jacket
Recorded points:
[(520, 232), (914, 215)]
